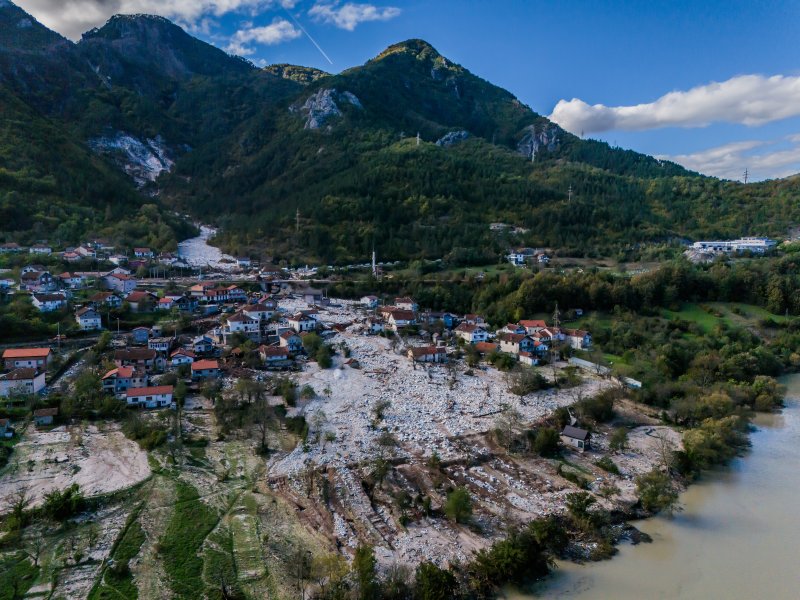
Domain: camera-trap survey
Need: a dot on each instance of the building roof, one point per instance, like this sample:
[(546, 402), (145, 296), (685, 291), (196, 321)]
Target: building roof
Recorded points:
[(49, 298), (485, 347), (122, 372), (26, 352), (182, 352), (289, 334), (135, 354), (401, 315), (138, 296), (240, 318), (575, 433), (202, 365), (404, 300), (533, 323), (425, 350), (514, 338), (468, 328), (576, 332), (19, 374), (274, 351), (155, 390), (45, 412), (86, 309)]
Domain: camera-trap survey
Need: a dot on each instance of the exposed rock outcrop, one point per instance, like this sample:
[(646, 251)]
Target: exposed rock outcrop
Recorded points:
[(537, 138), (321, 106), (452, 137), (142, 160)]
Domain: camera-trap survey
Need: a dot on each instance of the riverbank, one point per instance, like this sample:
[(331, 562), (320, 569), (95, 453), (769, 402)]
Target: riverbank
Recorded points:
[(734, 537)]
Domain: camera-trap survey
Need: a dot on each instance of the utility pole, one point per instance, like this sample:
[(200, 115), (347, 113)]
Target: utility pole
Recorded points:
[(569, 194), (745, 176), (556, 317)]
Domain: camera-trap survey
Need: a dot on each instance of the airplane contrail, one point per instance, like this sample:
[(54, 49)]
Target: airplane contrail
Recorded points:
[(308, 35)]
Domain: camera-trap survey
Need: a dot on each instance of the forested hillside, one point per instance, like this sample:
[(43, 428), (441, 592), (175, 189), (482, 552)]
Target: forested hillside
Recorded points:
[(140, 113)]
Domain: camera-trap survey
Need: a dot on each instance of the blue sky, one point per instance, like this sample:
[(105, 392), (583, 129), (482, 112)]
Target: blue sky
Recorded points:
[(616, 54)]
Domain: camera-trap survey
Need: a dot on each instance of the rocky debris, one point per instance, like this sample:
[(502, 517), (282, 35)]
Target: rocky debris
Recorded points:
[(452, 138), (142, 160), (537, 138), (321, 106)]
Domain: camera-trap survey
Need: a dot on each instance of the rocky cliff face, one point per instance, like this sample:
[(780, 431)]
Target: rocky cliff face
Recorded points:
[(143, 160), (322, 106), (539, 137)]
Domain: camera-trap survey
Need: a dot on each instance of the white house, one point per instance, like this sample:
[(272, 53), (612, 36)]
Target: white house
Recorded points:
[(160, 344), (242, 324), (49, 302), (143, 253), (292, 341), (150, 397), (578, 338), (300, 322), (272, 354), (406, 303), (108, 299), (259, 312), (401, 318), (40, 249), (472, 333), (182, 357), (88, 319), (369, 302), (433, 354), (120, 282), (21, 382)]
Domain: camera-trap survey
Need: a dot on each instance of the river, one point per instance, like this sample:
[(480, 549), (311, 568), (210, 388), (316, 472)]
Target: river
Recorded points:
[(197, 252), (737, 537)]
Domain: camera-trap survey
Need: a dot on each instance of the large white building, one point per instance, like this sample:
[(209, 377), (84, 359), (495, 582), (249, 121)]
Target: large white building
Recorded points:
[(745, 244)]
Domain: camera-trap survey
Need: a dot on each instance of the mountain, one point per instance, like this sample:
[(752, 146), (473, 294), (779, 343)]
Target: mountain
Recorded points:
[(144, 106)]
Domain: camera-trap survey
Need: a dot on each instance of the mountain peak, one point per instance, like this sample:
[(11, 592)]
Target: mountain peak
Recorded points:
[(415, 47), (20, 32), (296, 73), (155, 44)]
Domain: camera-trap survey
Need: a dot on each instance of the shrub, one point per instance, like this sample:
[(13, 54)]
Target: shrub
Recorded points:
[(458, 506), (546, 442), (607, 464), (60, 505), (656, 491)]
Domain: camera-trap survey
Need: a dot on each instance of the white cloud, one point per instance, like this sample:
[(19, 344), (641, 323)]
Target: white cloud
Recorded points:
[(348, 16), (73, 17), (762, 159), (280, 30), (746, 99)]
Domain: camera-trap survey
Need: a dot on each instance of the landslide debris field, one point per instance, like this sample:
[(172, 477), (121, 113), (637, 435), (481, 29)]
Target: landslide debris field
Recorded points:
[(384, 442)]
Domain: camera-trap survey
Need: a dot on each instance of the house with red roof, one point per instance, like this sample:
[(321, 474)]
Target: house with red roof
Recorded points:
[(158, 396), (205, 369), (34, 358)]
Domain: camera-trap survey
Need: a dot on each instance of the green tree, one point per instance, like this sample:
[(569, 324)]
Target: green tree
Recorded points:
[(433, 583), (364, 568), (458, 505), (656, 492), (619, 439)]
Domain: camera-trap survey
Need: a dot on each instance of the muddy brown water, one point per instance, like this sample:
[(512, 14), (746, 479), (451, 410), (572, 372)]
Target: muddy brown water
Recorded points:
[(737, 537)]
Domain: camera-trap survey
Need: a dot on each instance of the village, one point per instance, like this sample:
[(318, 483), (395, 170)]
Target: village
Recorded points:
[(380, 407)]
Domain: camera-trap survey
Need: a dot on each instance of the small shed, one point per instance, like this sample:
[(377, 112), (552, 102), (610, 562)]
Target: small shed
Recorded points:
[(6, 430), (576, 437), (44, 416)]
